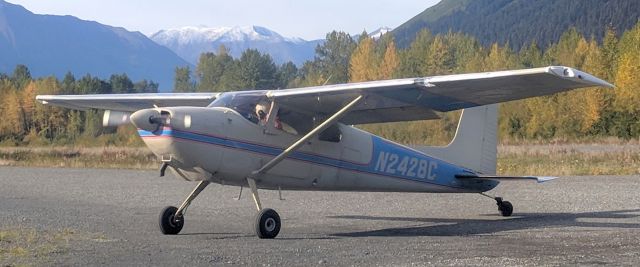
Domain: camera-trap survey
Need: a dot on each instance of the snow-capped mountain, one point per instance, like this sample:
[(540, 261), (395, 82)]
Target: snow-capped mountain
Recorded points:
[(379, 32), (374, 34), (189, 42)]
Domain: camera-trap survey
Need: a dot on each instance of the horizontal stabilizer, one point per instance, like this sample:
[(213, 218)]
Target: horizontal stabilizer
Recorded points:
[(539, 179)]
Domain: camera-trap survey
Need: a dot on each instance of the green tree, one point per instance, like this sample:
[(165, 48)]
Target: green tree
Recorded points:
[(21, 76), (531, 56), (256, 71), (415, 58), (145, 86), (69, 84), (182, 80), (286, 74), (333, 56), (212, 68), (121, 84), (92, 85)]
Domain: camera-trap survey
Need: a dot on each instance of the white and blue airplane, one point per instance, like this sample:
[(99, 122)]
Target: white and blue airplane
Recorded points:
[(302, 139)]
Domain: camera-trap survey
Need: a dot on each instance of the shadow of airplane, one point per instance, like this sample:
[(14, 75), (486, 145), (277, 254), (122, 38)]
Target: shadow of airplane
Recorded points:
[(520, 221), (217, 236)]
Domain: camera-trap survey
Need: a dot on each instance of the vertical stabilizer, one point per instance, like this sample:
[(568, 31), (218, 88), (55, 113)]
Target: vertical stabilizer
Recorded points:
[(475, 143)]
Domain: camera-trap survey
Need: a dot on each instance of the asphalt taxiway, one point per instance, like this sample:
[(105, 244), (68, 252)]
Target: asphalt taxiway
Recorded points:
[(572, 220)]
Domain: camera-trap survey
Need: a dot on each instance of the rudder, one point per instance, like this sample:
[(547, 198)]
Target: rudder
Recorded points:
[(474, 145)]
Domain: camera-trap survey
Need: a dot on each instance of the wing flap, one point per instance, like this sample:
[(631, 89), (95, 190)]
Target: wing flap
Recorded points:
[(408, 113)]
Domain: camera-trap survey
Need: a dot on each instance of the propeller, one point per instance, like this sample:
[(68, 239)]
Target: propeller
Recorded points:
[(112, 118)]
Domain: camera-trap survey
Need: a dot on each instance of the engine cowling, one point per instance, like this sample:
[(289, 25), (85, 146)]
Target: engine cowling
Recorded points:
[(148, 119)]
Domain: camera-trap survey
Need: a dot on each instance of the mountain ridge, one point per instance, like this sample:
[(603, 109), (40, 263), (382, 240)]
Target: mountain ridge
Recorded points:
[(518, 22), (190, 41), (55, 45)]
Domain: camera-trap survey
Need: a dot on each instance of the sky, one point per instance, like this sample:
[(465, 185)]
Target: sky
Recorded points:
[(293, 18)]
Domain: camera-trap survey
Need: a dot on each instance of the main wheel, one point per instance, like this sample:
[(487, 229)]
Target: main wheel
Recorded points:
[(168, 223), (267, 223), (505, 208)]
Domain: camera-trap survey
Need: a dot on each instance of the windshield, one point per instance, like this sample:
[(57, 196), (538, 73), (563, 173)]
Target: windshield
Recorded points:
[(242, 102)]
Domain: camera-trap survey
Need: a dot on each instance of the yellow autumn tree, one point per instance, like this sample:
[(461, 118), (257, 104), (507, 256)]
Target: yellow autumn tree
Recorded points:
[(363, 65), (12, 113), (627, 77), (439, 59), (49, 121), (593, 99), (570, 110), (389, 65), (500, 58), (628, 83), (28, 102)]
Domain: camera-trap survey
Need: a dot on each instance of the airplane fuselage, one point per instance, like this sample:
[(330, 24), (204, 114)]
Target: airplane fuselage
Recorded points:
[(219, 145)]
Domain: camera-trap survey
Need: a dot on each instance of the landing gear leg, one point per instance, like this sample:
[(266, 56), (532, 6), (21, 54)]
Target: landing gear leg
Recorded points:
[(505, 207), (172, 218), (267, 223)]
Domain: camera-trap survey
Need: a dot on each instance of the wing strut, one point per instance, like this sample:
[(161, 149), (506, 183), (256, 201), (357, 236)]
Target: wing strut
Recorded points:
[(292, 148)]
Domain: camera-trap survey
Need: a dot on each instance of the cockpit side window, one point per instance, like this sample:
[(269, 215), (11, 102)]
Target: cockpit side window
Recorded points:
[(331, 134), (255, 107), (243, 103)]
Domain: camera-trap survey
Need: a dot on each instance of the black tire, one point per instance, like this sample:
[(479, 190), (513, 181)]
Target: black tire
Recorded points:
[(168, 224), (506, 209), (267, 224)]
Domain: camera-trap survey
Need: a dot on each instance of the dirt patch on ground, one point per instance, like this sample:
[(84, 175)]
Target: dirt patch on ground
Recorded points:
[(6, 162)]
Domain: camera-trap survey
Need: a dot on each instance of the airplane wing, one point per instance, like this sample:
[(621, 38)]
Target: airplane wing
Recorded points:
[(128, 102), (419, 98), (385, 101)]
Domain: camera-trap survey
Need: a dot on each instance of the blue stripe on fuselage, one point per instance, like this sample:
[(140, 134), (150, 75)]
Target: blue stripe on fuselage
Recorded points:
[(388, 159)]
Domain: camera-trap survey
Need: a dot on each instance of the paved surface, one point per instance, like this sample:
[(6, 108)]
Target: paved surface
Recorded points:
[(573, 220)]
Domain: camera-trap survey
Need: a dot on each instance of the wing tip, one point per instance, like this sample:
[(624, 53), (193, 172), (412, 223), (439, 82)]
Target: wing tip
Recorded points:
[(43, 99), (578, 76)]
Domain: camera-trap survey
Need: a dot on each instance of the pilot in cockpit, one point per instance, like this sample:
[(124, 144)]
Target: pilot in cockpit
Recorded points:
[(262, 109)]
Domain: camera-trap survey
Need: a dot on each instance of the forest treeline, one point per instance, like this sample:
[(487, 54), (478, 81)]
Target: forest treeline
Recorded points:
[(25, 122), (579, 114)]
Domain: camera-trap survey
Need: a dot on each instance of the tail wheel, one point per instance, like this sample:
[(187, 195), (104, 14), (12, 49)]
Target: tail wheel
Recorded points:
[(505, 208)]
